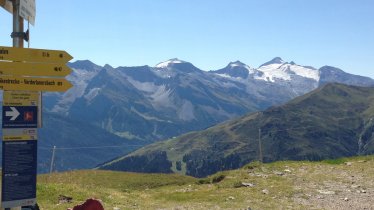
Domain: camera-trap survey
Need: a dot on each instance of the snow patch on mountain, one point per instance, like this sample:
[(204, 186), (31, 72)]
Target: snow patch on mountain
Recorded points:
[(279, 69), (235, 69), (224, 75), (92, 94), (167, 63), (240, 64), (272, 72), (148, 87), (306, 72)]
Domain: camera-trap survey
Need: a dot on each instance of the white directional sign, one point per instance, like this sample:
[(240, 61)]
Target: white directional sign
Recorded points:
[(20, 109), (27, 10), (14, 113)]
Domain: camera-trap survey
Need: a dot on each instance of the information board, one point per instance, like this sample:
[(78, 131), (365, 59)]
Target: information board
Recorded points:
[(19, 173)]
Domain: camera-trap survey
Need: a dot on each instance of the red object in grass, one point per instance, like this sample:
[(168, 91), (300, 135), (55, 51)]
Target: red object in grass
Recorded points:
[(90, 204)]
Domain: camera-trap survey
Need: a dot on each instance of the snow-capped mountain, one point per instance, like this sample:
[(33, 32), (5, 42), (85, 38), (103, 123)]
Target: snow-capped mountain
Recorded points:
[(236, 69), (272, 71), (169, 63), (277, 69)]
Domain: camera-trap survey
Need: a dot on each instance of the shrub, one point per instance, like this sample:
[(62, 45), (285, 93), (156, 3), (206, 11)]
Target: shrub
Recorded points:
[(218, 178)]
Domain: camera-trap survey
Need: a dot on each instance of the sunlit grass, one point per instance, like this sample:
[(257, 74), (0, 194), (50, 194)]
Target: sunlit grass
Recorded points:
[(219, 191)]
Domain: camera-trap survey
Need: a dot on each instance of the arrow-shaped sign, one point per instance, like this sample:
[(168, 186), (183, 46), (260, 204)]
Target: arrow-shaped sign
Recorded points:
[(34, 55), (13, 114), (34, 69), (8, 6), (34, 84)]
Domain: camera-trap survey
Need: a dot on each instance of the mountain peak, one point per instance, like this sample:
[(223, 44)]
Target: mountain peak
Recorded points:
[(235, 69), (166, 64), (109, 67), (237, 63), (84, 64), (276, 60)]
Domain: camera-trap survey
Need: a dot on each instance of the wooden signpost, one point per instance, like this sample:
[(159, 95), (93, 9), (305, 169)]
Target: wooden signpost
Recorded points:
[(24, 73)]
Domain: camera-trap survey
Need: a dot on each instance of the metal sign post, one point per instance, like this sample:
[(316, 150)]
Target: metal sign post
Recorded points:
[(24, 73), (12, 198)]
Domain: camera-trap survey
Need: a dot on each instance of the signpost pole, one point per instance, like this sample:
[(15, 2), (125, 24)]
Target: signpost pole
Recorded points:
[(17, 25)]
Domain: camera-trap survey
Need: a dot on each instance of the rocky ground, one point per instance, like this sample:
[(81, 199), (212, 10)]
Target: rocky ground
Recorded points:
[(345, 186)]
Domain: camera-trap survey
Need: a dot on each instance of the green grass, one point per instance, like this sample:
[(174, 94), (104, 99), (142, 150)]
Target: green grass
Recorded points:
[(335, 161), (219, 191)]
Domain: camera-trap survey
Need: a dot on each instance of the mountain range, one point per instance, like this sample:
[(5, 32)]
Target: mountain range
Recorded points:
[(129, 107), (332, 121), (174, 97)]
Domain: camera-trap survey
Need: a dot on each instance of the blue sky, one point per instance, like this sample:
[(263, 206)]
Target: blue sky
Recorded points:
[(207, 33)]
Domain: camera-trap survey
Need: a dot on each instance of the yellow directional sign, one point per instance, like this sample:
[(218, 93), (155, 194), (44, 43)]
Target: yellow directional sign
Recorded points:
[(34, 84), (20, 98), (34, 69), (34, 55), (8, 6)]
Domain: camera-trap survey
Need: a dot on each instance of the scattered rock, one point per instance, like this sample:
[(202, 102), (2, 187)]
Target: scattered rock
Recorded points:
[(326, 192), (230, 198), (265, 191), (348, 163), (363, 191), (287, 170), (64, 199), (278, 173), (247, 184), (355, 186)]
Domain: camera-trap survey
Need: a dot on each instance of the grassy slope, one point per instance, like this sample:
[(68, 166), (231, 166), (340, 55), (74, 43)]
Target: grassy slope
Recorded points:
[(303, 185), (325, 123)]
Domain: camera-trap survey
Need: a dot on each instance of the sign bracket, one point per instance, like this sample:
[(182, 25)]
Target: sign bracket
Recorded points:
[(22, 35)]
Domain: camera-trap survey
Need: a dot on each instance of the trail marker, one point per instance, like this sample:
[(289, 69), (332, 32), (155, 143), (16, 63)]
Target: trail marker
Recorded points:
[(34, 69), (34, 55), (34, 84), (7, 5)]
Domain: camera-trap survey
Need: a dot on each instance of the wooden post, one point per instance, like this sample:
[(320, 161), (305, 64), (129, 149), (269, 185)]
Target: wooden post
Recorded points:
[(260, 158), (52, 160)]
